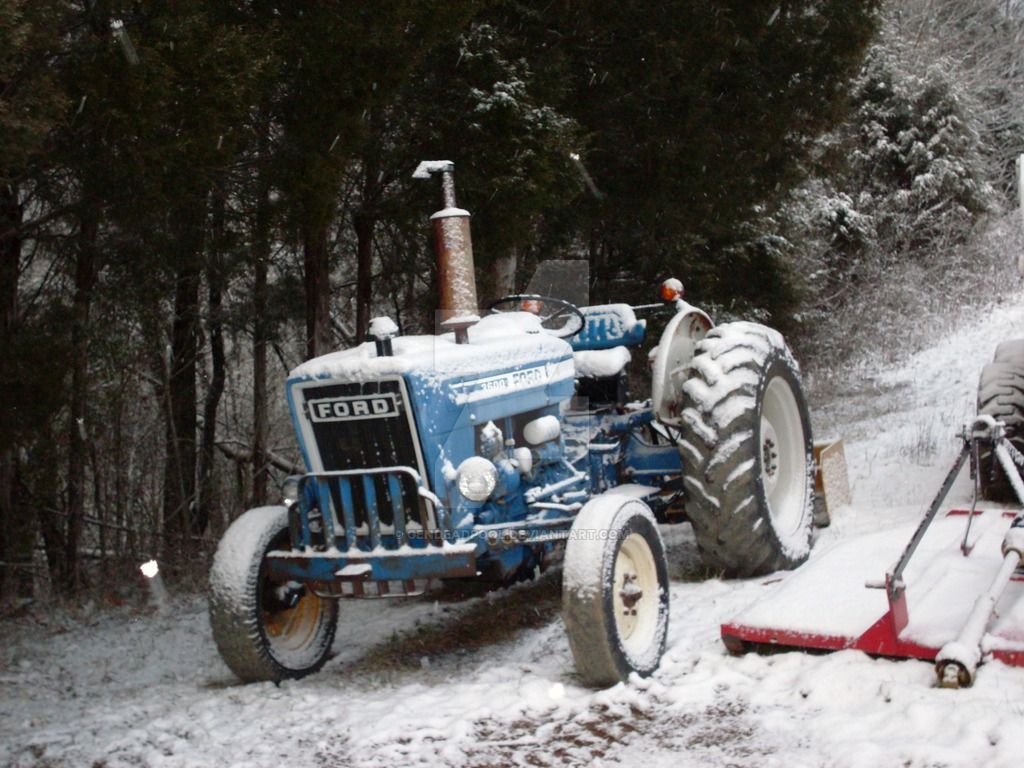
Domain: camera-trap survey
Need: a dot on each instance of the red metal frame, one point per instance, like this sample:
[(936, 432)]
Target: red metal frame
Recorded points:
[(878, 640)]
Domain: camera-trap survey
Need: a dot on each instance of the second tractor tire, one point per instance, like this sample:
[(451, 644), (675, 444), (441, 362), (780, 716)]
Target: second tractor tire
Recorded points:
[(1001, 395)]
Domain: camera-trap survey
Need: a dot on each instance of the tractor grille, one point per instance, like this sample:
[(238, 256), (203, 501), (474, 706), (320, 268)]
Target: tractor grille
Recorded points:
[(366, 426)]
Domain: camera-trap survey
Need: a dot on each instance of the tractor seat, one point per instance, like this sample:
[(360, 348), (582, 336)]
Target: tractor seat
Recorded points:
[(602, 377)]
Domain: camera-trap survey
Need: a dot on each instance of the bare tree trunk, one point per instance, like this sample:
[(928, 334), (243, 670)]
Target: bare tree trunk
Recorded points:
[(53, 540), (119, 544), (261, 330), (17, 534), (99, 500), (259, 386), (10, 255), (318, 289), (215, 277), (78, 447), (152, 485), (601, 266), (8, 518), (207, 507), (15, 525), (363, 222), (180, 471), (505, 275)]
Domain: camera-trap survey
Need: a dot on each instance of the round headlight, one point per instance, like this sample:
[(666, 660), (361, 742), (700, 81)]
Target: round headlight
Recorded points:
[(476, 478), (290, 489)]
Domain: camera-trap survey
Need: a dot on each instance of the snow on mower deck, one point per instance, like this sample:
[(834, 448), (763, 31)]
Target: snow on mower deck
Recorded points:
[(828, 605)]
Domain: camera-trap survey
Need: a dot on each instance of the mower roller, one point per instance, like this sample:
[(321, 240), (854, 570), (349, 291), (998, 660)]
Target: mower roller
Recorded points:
[(951, 595)]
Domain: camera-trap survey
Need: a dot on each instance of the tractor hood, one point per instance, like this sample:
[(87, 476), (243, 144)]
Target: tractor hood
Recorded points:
[(507, 355)]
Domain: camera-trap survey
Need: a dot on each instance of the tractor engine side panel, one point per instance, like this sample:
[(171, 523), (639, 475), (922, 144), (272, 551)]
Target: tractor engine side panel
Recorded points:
[(450, 411)]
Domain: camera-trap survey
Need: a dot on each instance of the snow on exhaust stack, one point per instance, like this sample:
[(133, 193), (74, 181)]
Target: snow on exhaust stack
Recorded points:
[(458, 305)]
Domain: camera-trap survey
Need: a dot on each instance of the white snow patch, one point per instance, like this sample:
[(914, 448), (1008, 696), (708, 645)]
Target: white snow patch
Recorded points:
[(620, 319), (506, 340), (383, 327), (542, 430), (598, 363), (427, 167), (450, 213)]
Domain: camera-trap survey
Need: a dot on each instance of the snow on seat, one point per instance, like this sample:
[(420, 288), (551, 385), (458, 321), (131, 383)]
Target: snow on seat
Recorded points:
[(601, 363), (601, 376), (608, 326)]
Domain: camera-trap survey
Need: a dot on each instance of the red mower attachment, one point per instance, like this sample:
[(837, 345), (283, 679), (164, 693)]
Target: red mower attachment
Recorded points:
[(952, 597)]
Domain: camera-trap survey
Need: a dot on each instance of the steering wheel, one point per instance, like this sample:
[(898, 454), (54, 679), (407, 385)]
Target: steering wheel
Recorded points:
[(557, 318)]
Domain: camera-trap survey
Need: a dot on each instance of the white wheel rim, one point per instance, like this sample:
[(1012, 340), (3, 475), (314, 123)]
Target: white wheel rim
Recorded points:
[(636, 595), (292, 629), (783, 457)]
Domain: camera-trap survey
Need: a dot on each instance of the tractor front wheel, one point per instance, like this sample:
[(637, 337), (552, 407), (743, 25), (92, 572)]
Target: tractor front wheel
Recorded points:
[(747, 452), (265, 629), (615, 591)]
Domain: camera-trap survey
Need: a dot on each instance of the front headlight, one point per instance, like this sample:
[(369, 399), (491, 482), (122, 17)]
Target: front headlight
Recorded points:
[(476, 478), (290, 489)]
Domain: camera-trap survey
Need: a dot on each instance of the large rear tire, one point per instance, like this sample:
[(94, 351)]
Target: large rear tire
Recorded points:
[(615, 591), (1001, 395), (747, 452), (1010, 351), (265, 630)]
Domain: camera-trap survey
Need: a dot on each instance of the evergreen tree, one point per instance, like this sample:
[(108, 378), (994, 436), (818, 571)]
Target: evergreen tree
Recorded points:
[(484, 101), (336, 65), (696, 113)]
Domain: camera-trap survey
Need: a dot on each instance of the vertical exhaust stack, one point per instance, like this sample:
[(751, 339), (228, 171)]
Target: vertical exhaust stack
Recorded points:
[(458, 305)]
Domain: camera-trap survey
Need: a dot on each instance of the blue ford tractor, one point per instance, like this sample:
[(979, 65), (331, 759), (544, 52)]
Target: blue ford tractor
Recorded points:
[(505, 443)]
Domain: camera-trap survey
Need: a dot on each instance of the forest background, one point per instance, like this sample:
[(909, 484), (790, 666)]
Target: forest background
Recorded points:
[(195, 196)]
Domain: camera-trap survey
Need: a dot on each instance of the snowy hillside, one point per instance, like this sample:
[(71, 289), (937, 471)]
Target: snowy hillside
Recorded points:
[(428, 681)]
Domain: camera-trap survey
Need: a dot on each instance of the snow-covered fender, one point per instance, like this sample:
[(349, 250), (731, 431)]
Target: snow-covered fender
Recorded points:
[(674, 351)]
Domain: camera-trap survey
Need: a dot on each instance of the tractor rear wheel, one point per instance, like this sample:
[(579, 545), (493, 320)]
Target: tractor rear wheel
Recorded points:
[(615, 590), (1010, 351), (1001, 395), (747, 452), (265, 629)]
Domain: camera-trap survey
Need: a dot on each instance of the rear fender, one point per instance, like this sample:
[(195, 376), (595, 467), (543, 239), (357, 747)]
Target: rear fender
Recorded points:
[(674, 352)]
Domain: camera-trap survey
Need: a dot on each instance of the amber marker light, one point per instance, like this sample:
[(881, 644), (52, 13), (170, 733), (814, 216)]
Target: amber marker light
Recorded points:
[(671, 290)]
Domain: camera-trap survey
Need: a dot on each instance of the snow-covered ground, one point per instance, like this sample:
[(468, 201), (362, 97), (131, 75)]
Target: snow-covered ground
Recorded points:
[(130, 688)]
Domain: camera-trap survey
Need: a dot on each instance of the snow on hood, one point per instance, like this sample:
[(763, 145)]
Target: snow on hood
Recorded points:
[(497, 342)]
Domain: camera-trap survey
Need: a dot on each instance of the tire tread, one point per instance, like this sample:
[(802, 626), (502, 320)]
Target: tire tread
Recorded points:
[(719, 428)]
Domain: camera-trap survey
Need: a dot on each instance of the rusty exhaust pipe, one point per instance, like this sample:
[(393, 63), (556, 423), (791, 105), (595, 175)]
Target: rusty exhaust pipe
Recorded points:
[(458, 307)]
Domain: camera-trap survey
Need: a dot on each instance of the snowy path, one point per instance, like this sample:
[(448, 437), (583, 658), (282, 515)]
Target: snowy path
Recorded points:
[(129, 689)]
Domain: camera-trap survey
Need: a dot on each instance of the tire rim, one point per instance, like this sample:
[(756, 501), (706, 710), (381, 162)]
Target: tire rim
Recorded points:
[(291, 629), (636, 595), (783, 457)]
